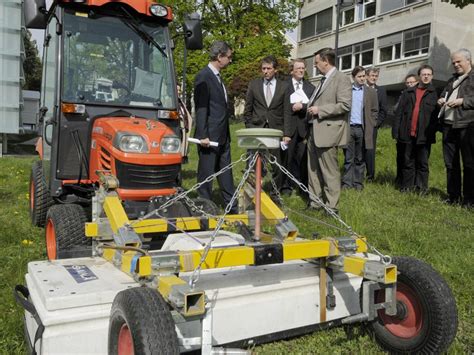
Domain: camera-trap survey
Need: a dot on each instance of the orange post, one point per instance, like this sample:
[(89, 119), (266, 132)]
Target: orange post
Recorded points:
[(258, 192)]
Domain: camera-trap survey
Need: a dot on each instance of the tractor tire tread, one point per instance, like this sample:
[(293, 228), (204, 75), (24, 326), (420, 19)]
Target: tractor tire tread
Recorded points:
[(149, 320), (440, 306), (42, 200), (69, 223)]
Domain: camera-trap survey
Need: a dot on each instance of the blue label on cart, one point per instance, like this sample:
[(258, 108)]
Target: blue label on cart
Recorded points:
[(81, 273)]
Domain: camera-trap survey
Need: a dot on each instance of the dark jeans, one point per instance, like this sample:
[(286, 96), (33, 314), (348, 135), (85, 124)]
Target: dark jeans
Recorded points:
[(416, 168), (400, 160), (459, 143), (354, 163), (212, 160), (370, 158)]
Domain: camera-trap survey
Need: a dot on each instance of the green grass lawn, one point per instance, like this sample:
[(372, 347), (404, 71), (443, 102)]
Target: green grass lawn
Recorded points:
[(397, 224)]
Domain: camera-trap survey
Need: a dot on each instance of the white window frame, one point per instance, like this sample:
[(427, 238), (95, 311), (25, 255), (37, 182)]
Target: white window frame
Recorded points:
[(419, 52)]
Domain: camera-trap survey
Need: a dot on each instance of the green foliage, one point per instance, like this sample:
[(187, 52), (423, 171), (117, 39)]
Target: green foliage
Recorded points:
[(253, 29), (32, 63), (460, 3), (395, 223)]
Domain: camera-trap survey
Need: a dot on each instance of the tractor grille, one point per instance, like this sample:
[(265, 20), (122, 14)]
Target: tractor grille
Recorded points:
[(104, 159), (133, 176)]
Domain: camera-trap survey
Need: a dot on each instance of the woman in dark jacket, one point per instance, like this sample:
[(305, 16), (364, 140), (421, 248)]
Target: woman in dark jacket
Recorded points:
[(415, 127)]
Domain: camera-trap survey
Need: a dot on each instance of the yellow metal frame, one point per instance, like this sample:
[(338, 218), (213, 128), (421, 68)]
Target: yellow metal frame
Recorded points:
[(222, 257)]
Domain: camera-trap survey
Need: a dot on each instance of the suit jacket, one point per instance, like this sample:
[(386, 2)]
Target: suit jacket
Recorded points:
[(212, 113), (331, 125), (296, 122), (257, 113), (427, 116), (382, 98), (370, 113)]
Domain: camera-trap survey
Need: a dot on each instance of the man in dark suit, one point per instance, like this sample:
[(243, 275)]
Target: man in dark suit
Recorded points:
[(265, 104), (295, 122), (372, 75), (328, 110), (363, 118), (212, 123)]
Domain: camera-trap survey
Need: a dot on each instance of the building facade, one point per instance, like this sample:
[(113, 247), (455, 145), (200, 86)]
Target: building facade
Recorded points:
[(396, 36)]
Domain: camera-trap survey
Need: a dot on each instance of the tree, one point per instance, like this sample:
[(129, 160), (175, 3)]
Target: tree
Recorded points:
[(254, 29), (460, 3), (32, 63)]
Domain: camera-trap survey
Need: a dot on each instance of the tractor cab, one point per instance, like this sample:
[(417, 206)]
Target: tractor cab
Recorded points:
[(109, 103)]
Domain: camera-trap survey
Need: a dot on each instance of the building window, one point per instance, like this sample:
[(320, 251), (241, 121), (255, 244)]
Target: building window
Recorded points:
[(347, 16), (389, 5), (356, 54), (363, 10), (309, 62), (390, 47), (316, 24), (308, 26), (324, 21), (345, 57), (416, 41), (404, 44), (363, 53)]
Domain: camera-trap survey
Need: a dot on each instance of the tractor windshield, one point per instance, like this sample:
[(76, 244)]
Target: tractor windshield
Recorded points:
[(108, 61)]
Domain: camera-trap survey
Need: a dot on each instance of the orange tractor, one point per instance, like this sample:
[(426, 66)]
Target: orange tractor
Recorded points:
[(109, 106)]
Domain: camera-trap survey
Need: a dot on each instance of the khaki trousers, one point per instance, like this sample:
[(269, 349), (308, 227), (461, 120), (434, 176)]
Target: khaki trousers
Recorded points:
[(324, 177)]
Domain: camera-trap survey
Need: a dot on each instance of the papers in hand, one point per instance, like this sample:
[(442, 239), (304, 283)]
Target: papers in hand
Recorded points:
[(299, 96), (283, 146), (197, 141)]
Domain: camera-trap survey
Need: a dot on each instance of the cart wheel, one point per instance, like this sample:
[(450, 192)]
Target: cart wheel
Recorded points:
[(206, 205), (65, 236), (141, 323), (40, 199), (426, 319)]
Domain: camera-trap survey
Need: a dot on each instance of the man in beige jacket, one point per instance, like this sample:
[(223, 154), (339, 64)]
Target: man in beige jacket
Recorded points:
[(328, 116)]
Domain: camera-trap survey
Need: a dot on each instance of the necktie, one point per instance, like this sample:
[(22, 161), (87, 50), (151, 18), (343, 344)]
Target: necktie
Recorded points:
[(321, 83), (298, 85), (222, 84), (268, 93)]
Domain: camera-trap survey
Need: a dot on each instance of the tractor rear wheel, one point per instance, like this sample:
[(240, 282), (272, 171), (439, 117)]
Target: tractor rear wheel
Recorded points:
[(141, 323), (65, 232), (40, 198), (426, 319)]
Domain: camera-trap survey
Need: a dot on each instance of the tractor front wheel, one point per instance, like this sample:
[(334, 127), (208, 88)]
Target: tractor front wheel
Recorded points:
[(426, 319), (141, 323), (65, 232)]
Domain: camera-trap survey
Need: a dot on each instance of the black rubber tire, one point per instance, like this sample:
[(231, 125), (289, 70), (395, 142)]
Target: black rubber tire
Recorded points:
[(143, 312), (40, 198), (207, 206), (435, 302), (65, 232)]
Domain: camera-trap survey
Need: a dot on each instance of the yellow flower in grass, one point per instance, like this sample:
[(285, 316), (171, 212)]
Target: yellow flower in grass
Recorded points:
[(26, 242)]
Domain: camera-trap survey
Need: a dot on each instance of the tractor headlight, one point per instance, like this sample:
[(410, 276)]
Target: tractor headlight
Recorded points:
[(130, 143), (159, 10), (170, 145)]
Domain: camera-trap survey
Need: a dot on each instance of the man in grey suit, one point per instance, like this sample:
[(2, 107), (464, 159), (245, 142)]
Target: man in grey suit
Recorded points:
[(328, 116), (212, 123), (363, 119), (265, 104)]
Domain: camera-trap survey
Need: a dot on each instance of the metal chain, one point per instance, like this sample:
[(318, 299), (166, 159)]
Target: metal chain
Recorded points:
[(273, 161), (179, 196), (192, 205), (197, 272), (385, 259)]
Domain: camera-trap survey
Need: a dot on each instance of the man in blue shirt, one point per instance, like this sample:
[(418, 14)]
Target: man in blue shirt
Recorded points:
[(363, 119)]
